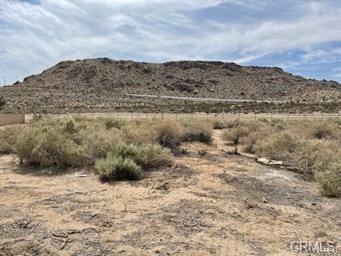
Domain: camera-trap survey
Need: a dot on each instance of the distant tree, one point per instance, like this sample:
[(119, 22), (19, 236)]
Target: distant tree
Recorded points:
[(2, 103)]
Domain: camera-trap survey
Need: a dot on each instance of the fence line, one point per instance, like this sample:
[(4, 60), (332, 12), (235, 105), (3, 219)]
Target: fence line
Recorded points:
[(7, 119), (227, 116)]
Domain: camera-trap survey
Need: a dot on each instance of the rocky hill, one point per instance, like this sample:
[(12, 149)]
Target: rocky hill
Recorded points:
[(103, 83)]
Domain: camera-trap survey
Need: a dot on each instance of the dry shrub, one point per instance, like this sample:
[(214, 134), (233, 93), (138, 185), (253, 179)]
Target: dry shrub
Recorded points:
[(219, 124), (8, 138), (114, 123), (198, 131), (98, 140), (235, 134), (64, 142), (312, 156), (256, 136), (222, 124), (48, 146), (139, 134), (250, 143), (168, 134), (279, 146), (154, 156), (327, 169), (247, 130), (297, 143), (320, 159), (330, 178), (324, 130), (278, 124)]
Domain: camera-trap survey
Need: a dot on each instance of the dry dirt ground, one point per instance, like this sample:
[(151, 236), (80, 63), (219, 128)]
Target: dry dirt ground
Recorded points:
[(216, 204)]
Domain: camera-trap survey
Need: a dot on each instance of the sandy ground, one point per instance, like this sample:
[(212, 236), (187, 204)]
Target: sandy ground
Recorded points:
[(213, 205)]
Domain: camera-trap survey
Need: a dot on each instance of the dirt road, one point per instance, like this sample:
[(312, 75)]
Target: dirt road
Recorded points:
[(213, 205)]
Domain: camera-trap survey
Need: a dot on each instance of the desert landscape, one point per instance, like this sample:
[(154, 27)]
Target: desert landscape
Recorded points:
[(106, 85), (188, 189), (169, 161), (170, 127)]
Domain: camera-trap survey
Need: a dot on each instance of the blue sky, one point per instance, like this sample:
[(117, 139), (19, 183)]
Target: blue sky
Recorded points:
[(301, 36)]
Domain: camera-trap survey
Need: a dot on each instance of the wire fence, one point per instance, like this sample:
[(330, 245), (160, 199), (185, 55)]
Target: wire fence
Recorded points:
[(8, 119), (207, 116)]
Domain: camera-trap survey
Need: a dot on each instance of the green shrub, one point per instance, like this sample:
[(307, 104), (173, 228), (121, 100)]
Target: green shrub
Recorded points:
[(118, 168), (48, 146), (127, 161), (147, 156), (65, 142), (78, 142), (154, 156)]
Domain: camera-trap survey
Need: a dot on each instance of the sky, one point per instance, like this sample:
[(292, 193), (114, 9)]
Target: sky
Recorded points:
[(301, 36)]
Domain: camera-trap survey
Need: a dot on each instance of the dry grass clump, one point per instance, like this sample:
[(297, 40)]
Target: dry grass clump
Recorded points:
[(220, 124), (279, 146), (241, 129), (154, 156), (139, 133), (235, 134), (330, 178), (128, 161), (198, 131), (168, 134), (98, 140), (8, 138), (114, 123), (324, 130)]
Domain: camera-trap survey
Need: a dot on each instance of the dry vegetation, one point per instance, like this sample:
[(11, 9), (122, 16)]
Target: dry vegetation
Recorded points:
[(119, 149), (313, 148), (124, 150), (189, 195)]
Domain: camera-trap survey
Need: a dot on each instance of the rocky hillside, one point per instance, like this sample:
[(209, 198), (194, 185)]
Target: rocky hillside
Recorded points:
[(104, 83)]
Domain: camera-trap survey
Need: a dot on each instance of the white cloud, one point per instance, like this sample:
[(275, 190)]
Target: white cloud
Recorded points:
[(36, 36)]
